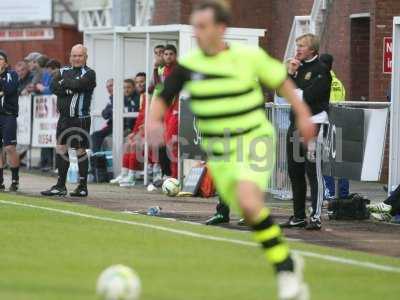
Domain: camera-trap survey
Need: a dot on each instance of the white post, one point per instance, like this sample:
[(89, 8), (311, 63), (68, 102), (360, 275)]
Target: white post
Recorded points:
[(394, 156), (148, 74), (118, 102)]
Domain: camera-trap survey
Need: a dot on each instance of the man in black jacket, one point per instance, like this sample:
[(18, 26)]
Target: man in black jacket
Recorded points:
[(74, 89), (8, 120), (314, 82)]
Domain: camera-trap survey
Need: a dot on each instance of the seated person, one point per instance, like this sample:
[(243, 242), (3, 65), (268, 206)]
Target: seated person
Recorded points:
[(134, 151), (107, 113), (386, 210), (131, 103), (132, 93)]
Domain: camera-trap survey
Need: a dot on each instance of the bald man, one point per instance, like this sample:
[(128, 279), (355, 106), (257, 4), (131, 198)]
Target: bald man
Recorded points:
[(74, 89)]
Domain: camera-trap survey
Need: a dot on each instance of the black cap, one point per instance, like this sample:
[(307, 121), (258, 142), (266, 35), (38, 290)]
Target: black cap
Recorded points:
[(327, 60), (4, 55)]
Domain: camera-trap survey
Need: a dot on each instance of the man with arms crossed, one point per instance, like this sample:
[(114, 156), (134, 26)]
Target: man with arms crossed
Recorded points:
[(74, 89), (229, 107)]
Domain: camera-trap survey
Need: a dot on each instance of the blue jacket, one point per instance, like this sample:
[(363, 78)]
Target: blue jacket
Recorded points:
[(9, 93), (47, 78)]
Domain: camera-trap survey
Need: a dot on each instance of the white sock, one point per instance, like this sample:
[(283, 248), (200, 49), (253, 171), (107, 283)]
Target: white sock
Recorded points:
[(131, 173)]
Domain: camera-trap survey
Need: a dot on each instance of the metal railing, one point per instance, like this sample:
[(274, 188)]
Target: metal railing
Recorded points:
[(278, 114), (279, 185)]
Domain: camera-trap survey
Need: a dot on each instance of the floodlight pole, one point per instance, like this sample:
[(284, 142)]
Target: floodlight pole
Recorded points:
[(394, 155)]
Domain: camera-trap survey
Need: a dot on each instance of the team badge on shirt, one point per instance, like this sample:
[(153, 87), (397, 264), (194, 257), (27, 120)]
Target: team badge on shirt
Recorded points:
[(308, 76)]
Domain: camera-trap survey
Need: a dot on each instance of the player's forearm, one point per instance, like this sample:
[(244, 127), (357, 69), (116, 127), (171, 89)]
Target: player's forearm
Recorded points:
[(287, 90)]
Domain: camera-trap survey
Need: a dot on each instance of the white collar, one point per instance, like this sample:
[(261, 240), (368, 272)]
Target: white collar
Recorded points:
[(312, 59)]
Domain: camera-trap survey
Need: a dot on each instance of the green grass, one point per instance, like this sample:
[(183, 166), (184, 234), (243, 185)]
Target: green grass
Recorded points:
[(47, 255)]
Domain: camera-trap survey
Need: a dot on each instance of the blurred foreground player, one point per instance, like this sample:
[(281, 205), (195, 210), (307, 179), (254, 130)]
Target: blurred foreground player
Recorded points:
[(74, 89), (237, 137)]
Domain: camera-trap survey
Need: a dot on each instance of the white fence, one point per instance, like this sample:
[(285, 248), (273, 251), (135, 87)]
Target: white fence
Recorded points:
[(278, 114)]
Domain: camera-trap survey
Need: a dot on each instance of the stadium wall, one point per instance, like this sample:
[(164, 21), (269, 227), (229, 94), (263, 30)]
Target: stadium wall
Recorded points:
[(277, 18), (65, 36)]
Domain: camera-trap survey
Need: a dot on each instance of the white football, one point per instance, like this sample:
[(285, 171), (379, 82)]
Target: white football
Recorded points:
[(118, 282), (171, 187)]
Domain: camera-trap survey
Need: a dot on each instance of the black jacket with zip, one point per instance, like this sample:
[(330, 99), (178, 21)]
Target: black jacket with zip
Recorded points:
[(315, 80), (9, 93), (74, 89)]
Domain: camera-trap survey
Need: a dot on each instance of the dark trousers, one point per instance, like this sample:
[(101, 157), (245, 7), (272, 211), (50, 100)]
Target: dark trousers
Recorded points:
[(98, 138), (46, 157), (165, 162), (223, 208), (302, 162), (394, 201)]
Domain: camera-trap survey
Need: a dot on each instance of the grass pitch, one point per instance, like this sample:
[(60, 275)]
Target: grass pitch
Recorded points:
[(56, 250)]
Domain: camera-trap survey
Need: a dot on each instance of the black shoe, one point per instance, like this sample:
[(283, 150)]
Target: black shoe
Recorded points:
[(55, 190), (217, 219), (314, 224), (14, 186), (293, 222), (80, 191), (2, 187)]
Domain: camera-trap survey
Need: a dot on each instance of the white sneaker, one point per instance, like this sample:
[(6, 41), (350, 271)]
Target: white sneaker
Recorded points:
[(151, 188), (379, 208), (291, 285), (128, 181), (382, 217), (117, 179)]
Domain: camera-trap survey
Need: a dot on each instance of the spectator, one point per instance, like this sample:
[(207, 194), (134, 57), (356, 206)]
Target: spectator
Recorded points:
[(172, 115), (131, 162), (314, 82), (52, 67), (42, 86), (107, 114), (158, 67), (131, 102), (33, 66), (25, 86), (338, 94)]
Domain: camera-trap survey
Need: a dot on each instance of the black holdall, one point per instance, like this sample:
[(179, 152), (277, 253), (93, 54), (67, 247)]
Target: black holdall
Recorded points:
[(98, 167), (352, 208)]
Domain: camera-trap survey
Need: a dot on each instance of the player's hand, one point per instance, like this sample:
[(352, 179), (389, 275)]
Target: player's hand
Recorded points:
[(306, 128), (155, 133), (293, 65)]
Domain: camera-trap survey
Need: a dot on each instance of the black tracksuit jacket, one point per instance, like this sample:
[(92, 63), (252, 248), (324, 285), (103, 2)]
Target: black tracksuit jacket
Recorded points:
[(74, 89), (315, 80)]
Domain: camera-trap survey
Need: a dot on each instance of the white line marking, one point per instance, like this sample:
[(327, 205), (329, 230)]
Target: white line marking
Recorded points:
[(331, 258)]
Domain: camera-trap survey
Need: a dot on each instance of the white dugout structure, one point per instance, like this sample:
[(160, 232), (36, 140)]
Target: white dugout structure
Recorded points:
[(394, 156), (121, 52)]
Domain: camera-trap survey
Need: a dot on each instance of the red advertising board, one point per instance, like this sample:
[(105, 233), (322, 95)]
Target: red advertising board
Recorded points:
[(387, 55)]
